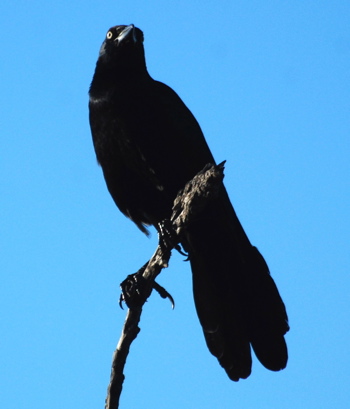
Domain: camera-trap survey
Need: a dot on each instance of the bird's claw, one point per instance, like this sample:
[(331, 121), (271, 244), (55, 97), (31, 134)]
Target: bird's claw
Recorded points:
[(164, 293), (133, 290), (168, 238)]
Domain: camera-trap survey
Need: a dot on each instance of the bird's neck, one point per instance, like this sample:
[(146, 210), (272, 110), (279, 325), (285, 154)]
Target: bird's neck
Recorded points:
[(117, 80)]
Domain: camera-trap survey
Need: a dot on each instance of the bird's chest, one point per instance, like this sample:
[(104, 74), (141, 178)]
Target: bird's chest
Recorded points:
[(134, 161)]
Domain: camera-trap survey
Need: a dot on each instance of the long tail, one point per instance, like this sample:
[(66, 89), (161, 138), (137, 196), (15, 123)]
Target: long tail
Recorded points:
[(237, 301)]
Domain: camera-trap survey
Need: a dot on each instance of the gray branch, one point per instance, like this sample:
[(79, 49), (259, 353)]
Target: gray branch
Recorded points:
[(188, 205)]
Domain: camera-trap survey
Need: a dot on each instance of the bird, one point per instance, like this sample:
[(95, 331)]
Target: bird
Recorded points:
[(149, 145)]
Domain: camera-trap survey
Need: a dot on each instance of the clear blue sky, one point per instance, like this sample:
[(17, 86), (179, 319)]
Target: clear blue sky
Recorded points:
[(269, 83)]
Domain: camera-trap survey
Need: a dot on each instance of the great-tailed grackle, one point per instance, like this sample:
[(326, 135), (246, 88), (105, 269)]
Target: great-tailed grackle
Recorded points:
[(149, 145)]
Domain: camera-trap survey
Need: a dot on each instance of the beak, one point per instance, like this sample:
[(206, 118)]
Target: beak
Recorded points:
[(129, 31)]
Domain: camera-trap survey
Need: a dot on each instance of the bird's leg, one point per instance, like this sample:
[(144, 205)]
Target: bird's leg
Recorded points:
[(134, 287), (168, 238)]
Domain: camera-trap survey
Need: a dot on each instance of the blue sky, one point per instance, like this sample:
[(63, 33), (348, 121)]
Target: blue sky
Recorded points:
[(269, 83)]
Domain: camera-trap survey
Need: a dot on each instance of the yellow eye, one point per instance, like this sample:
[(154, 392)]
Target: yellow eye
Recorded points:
[(109, 35)]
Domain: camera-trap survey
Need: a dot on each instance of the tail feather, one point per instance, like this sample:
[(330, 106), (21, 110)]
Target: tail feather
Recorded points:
[(236, 299), (266, 315), (222, 322)]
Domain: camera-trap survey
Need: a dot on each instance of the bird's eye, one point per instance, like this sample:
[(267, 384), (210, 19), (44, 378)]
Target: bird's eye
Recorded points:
[(109, 35)]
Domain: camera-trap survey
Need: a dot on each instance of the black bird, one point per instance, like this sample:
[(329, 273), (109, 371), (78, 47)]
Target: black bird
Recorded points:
[(149, 145)]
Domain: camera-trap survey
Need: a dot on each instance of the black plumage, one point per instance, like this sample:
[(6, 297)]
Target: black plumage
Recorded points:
[(149, 145)]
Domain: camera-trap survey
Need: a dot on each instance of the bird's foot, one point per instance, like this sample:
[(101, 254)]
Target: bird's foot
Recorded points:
[(134, 289), (168, 238)]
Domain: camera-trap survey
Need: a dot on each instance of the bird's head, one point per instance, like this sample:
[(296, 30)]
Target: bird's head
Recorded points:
[(122, 44), (121, 60)]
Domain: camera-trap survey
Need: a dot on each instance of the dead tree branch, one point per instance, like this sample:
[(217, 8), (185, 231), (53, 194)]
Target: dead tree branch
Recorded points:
[(187, 206)]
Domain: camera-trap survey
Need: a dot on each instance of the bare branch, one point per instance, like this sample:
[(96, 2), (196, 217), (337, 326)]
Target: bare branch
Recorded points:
[(187, 206)]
